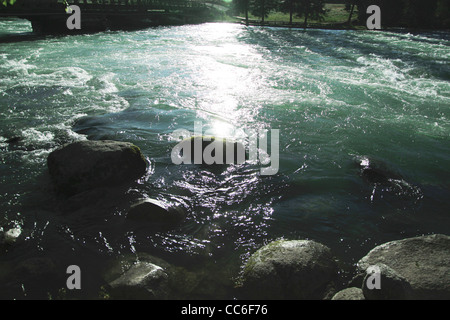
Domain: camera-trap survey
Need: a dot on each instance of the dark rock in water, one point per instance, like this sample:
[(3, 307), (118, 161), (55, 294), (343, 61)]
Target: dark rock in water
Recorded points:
[(387, 182), (297, 269), (14, 140), (144, 276), (155, 211), (143, 280), (83, 165), (10, 236), (374, 176), (208, 150), (423, 261), (375, 173), (138, 276)]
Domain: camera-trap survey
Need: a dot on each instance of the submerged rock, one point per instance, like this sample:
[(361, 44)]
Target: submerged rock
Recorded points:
[(374, 172), (297, 269), (155, 211), (83, 165), (424, 262), (14, 140), (387, 182), (10, 236)]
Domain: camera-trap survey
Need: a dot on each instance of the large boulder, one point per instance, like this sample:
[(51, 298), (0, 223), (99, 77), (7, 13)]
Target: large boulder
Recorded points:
[(295, 269), (83, 165), (383, 283), (424, 262)]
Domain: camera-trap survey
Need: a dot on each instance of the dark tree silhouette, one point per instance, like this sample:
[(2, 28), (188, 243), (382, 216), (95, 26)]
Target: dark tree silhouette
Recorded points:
[(287, 6), (392, 12), (421, 13), (262, 8), (350, 7), (242, 6), (309, 9)]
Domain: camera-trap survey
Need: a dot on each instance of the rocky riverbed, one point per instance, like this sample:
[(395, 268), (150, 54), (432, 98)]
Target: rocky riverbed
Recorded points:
[(412, 268)]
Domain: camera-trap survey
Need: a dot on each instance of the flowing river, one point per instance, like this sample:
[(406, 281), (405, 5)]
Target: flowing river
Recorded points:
[(340, 99)]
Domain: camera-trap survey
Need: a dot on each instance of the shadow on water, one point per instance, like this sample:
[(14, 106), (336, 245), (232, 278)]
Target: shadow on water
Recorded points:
[(28, 36)]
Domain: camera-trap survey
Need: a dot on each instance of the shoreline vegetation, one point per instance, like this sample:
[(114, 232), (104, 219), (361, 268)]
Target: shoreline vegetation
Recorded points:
[(342, 14), (297, 14), (336, 16)]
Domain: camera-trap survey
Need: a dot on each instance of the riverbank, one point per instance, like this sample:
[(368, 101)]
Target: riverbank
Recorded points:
[(298, 25)]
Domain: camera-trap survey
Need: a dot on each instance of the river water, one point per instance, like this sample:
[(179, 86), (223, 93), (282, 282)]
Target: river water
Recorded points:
[(338, 99)]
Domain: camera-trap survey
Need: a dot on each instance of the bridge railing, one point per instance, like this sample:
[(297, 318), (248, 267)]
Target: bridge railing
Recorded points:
[(29, 5)]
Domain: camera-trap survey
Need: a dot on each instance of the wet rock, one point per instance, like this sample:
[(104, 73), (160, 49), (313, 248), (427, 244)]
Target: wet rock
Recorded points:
[(297, 269), (209, 150), (10, 236), (349, 294), (14, 140), (384, 283), (143, 280), (374, 172), (140, 276), (200, 282), (155, 211), (424, 262), (387, 183), (83, 165)]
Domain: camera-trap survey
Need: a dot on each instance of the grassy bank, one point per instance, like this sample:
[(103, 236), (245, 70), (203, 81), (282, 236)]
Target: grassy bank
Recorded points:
[(336, 17)]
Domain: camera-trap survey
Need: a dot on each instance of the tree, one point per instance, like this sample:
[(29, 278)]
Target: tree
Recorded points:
[(262, 8), (309, 9), (421, 13), (287, 6), (443, 13), (11, 2), (350, 7), (392, 12), (316, 9), (242, 6)]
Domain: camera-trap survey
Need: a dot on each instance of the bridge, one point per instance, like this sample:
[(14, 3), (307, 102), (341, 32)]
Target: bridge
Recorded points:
[(50, 16)]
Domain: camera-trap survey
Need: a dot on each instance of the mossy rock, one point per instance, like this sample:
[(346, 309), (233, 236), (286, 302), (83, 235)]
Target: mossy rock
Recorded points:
[(295, 269), (424, 262)]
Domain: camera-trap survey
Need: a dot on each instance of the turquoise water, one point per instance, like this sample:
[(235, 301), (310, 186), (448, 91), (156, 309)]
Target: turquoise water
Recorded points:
[(338, 98)]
